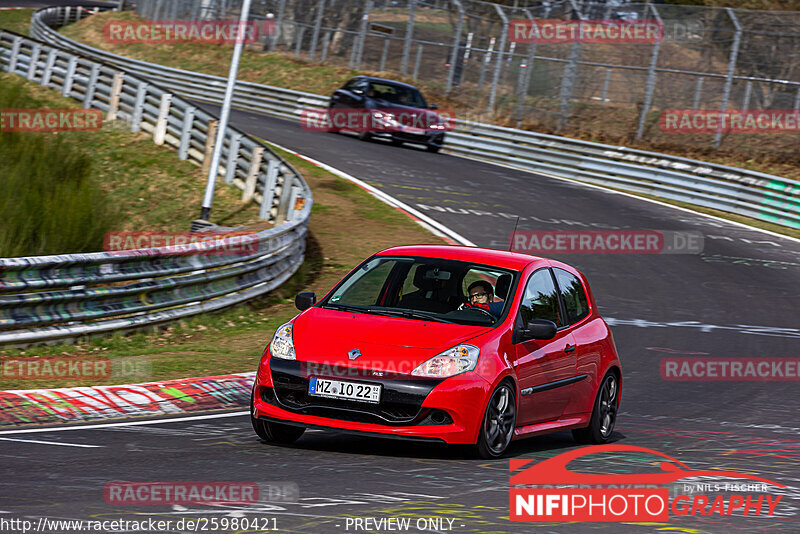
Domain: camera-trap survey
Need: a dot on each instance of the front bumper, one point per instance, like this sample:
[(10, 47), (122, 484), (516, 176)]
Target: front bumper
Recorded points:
[(449, 410)]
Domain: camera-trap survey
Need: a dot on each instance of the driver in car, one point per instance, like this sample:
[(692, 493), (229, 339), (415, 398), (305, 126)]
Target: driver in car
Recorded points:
[(481, 295)]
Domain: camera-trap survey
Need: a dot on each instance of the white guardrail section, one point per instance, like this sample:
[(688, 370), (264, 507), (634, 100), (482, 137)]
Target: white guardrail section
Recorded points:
[(749, 193), (44, 299)]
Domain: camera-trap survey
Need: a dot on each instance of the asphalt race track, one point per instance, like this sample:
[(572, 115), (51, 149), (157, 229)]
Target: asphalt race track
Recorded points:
[(738, 298)]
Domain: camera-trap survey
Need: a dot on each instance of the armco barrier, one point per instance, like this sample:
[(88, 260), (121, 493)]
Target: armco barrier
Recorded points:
[(753, 194), (61, 297)]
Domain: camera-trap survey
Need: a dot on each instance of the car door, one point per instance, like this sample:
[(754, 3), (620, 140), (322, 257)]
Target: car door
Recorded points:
[(587, 334), (544, 367)]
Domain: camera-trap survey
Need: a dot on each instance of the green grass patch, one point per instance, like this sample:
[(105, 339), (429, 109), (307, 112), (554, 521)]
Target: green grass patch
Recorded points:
[(16, 20)]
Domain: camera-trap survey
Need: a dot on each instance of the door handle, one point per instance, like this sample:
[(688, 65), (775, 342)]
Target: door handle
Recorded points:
[(569, 348)]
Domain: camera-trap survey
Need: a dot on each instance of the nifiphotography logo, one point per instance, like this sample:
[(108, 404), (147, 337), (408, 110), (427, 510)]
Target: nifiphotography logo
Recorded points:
[(549, 491)]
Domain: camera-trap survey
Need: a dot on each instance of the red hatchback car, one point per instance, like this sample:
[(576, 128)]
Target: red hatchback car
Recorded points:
[(460, 345)]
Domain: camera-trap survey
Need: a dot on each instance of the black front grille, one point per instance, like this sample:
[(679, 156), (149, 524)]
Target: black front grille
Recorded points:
[(401, 399)]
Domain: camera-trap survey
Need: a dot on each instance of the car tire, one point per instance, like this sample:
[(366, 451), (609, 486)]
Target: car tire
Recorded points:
[(397, 142), (433, 148), (497, 425), (604, 414), (365, 136), (332, 128), (274, 432)]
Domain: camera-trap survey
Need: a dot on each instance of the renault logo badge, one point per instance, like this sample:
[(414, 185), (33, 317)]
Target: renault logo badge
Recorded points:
[(353, 354)]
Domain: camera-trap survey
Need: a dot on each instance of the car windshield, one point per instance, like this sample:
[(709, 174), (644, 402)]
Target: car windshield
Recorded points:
[(397, 94), (426, 289)]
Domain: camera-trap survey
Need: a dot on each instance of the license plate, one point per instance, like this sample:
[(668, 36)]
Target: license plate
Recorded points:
[(339, 389)]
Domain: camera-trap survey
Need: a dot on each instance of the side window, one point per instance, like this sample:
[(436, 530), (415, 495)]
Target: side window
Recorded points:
[(540, 300), (364, 288), (352, 84), (574, 297)]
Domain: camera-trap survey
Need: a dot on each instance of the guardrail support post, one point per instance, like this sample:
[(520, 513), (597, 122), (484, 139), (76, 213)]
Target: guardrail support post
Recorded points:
[(113, 97), (412, 4), (500, 54), (12, 60), (317, 26), (211, 135), (66, 88), (456, 47), (252, 174), (268, 193), (726, 91), (233, 158), (160, 131), (48, 68), (650, 84), (138, 107), (88, 93), (186, 132), (34, 61), (291, 207), (283, 203)]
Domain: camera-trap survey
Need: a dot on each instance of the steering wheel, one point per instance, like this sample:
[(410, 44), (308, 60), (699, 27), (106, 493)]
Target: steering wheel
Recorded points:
[(487, 312)]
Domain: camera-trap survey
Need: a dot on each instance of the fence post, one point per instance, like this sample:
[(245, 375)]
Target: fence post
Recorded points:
[(268, 193), (233, 159), (417, 62), (186, 132), (113, 97), (298, 40), (606, 81), (456, 48), (568, 79), (697, 91), (650, 84), (487, 57), (748, 90), (797, 100), (211, 135), (276, 32), (34, 61), (48, 68), (12, 60), (66, 88), (252, 174), (88, 94), (317, 26), (363, 35), (500, 54), (138, 107), (412, 4), (526, 73), (386, 52), (326, 41), (160, 131), (726, 91)]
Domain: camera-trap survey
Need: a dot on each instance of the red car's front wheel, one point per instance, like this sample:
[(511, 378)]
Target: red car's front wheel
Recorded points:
[(499, 419), (274, 432)]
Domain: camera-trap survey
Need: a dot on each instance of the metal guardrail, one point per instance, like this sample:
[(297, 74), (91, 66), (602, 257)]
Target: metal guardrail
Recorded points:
[(62, 297), (749, 193)]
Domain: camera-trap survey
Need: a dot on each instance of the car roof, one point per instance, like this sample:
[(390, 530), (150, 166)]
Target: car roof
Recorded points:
[(499, 258), (386, 80)]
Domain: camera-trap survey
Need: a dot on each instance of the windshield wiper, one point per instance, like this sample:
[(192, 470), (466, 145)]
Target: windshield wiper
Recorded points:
[(411, 314), (346, 307)]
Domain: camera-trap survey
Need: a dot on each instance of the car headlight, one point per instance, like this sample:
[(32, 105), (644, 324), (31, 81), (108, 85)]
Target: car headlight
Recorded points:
[(451, 362), (282, 345), (385, 116)]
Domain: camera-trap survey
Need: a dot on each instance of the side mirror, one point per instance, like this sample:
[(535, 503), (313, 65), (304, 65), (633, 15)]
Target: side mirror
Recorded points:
[(539, 329), (358, 92), (305, 300), (434, 106)]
